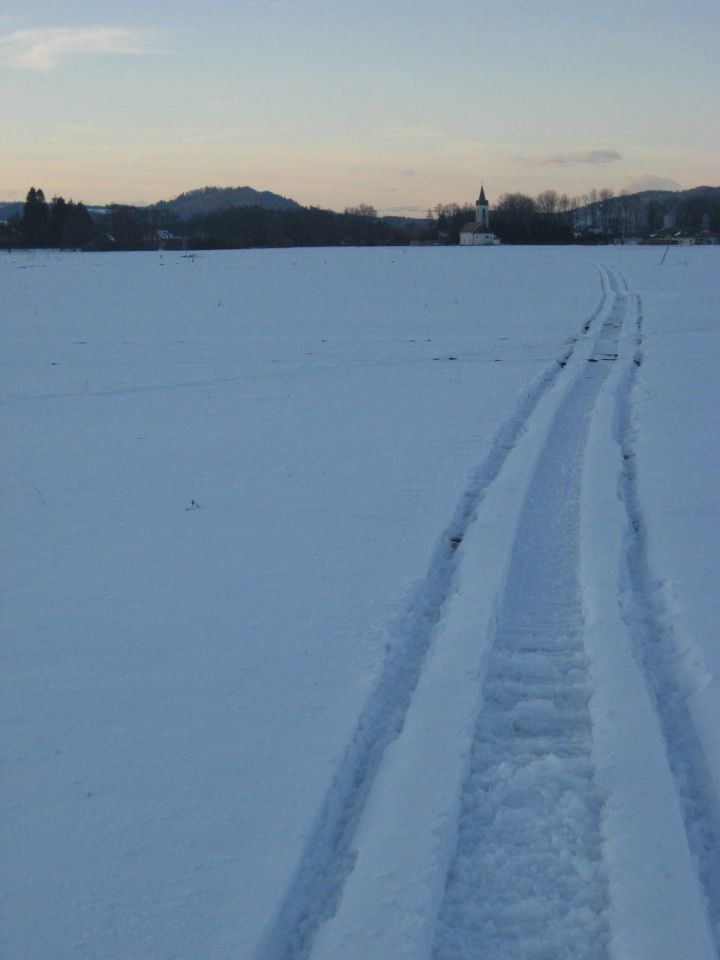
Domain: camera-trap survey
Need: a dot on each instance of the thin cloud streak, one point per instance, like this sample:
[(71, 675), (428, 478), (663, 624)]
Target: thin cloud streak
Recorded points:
[(44, 48), (574, 157), (649, 181)]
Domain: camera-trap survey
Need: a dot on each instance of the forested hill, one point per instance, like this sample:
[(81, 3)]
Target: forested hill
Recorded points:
[(211, 199)]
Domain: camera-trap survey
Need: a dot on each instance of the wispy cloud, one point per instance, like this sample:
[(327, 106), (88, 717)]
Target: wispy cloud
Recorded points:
[(649, 181), (574, 157), (45, 48)]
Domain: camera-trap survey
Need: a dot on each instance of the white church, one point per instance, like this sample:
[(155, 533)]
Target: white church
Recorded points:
[(478, 232)]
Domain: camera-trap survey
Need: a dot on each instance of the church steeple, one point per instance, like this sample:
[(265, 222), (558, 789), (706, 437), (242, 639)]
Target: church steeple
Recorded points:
[(482, 209), (477, 233)]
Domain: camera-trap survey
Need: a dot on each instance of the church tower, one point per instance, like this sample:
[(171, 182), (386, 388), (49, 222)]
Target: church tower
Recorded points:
[(482, 210), (477, 233)]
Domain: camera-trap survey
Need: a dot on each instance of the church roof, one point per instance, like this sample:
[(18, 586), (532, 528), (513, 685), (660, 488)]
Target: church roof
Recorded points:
[(481, 198), (474, 227)]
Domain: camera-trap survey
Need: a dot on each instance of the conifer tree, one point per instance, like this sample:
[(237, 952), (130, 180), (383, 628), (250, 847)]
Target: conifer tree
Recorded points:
[(35, 218)]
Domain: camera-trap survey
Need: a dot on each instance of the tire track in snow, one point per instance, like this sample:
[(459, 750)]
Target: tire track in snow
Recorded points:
[(314, 891), (658, 653), (527, 878)]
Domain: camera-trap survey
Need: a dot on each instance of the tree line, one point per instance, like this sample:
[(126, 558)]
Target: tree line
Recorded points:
[(516, 219), (598, 216), (66, 224)]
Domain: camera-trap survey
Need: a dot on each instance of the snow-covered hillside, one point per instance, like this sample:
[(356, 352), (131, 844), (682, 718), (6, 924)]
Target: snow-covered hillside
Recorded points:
[(361, 604)]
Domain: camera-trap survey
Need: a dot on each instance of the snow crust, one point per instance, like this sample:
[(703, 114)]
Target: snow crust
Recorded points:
[(241, 489)]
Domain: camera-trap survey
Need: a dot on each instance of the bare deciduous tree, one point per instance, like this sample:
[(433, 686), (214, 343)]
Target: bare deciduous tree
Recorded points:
[(547, 202), (361, 210)]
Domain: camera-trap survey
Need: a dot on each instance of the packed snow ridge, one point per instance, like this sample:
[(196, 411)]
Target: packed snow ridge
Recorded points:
[(527, 876), (314, 893)]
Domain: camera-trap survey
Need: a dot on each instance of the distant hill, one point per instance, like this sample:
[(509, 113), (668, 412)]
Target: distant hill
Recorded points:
[(670, 198), (211, 199), (652, 211), (8, 210), (674, 197)]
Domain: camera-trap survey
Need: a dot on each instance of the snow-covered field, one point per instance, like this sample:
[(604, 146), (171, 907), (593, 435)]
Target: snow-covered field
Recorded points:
[(361, 604)]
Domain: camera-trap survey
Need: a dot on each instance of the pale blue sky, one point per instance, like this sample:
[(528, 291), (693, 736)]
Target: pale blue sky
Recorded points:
[(401, 104)]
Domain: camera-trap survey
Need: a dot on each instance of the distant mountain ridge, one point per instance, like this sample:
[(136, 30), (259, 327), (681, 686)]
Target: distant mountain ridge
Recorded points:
[(672, 197), (11, 209), (207, 200)]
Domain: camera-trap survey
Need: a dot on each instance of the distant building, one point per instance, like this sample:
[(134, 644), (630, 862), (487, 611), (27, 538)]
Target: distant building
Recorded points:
[(166, 240), (477, 233)]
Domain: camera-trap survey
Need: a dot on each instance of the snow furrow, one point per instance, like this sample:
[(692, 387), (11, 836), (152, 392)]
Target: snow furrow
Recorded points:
[(527, 879), (659, 657), (314, 892)]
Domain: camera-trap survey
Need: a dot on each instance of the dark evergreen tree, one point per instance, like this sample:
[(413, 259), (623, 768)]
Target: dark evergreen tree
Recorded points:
[(35, 218), (57, 219), (128, 227), (79, 230)]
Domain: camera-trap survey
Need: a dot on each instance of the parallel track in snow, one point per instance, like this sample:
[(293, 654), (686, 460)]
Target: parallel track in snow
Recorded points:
[(314, 891), (527, 878), (658, 654)]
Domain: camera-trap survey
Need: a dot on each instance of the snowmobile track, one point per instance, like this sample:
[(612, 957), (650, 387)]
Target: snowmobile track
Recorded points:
[(658, 654), (527, 877), (314, 891)]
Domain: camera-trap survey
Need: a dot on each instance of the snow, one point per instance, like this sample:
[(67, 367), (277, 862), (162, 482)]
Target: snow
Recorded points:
[(655, 903), (679, 471), (264, 517), (406, 837)]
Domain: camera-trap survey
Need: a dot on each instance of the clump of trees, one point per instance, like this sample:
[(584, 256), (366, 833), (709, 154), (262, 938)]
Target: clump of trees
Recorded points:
[(516, 219), (447, 220), (361, 210), (60, 223), (546, 219)]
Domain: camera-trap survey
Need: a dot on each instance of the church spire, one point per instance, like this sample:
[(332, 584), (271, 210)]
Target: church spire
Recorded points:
[(482, 210)]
